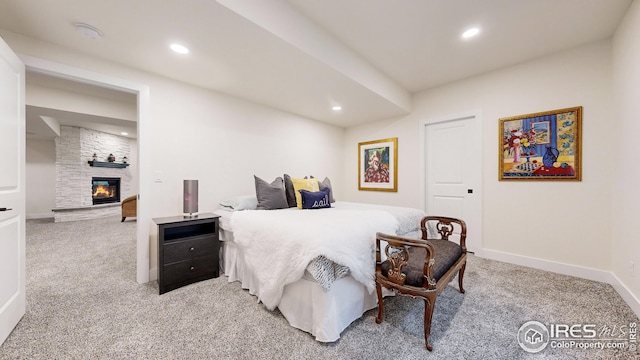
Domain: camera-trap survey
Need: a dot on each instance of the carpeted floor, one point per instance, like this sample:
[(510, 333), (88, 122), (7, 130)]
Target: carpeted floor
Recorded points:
[(83, 303)]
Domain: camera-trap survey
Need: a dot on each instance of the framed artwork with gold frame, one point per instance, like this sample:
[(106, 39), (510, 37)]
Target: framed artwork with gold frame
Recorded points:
[(378, 165), (541, 146)]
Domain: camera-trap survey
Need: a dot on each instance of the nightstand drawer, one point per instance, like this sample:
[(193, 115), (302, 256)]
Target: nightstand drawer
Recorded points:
[(189, 249), (199, 268)]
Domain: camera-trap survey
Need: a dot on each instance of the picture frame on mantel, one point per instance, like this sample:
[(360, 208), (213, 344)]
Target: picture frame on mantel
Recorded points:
[(541, 146), (378, 165)]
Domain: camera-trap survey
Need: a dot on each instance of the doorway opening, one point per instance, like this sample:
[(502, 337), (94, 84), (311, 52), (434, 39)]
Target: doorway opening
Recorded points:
[(141, 92)]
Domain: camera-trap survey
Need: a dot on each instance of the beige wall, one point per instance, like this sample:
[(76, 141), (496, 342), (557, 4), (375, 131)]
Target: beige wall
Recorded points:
[(556, 212), (40, 178), (625, 229)]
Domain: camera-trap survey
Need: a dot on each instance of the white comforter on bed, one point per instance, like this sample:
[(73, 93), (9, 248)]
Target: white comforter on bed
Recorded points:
[(278, 245)]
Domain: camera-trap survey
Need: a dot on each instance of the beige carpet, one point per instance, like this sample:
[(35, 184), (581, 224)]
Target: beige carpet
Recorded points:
[(83, 303)]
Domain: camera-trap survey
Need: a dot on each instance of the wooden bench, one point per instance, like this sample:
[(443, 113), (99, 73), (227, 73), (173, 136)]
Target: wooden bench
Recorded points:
[(422, 267)]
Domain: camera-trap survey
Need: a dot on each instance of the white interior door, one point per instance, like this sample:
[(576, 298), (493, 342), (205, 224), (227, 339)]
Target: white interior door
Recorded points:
[(453, 173), (12, 197)]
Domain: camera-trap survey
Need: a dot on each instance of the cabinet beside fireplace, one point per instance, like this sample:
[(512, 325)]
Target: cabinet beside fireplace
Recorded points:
[(188, 250)]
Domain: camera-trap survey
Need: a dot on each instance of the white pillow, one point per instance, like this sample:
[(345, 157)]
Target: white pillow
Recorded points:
[(238, 203)]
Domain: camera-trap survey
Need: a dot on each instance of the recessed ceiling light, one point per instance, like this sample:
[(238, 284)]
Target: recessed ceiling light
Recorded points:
[(124, 133), (336, 108), (89, 31), (180, 49), (470, 33)]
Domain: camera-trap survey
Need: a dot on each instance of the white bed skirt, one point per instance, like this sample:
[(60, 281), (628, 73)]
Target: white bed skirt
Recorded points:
[(304, 303)]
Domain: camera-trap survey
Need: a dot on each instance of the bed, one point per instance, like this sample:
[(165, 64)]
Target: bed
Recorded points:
[(300, 261)]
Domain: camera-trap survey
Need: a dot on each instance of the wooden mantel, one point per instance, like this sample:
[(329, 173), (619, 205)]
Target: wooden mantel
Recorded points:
[(108, 164)]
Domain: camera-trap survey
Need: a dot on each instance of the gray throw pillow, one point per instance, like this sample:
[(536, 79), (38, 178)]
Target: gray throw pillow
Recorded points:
[(270, 196), (326, 184), (290, 191)]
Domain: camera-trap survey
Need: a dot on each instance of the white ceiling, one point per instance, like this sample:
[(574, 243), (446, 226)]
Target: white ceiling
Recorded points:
[(303, 56)]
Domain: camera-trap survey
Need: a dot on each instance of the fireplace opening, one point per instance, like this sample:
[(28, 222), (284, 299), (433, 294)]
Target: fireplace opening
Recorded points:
[(105, 190)]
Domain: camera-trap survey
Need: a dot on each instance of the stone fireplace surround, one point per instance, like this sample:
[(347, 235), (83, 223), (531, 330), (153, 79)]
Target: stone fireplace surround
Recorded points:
[(74, 148)]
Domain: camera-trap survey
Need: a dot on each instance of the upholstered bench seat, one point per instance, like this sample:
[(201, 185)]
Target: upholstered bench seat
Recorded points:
[(446, 254)]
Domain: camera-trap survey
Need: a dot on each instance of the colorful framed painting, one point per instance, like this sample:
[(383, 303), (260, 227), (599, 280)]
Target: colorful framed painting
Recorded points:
[(378, 165), (541, 146)]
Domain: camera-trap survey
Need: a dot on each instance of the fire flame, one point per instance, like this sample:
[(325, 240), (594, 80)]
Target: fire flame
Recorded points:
[(103, 191)]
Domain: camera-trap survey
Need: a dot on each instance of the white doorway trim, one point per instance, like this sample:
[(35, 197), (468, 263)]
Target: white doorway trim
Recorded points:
[(144, 168), (477, 157)]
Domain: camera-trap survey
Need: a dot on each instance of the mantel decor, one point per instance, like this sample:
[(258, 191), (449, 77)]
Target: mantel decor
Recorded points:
[(541, 146), (378, 165), (107, 164)]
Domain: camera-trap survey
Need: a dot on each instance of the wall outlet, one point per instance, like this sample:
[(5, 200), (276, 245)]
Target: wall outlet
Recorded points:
[(632, 269)]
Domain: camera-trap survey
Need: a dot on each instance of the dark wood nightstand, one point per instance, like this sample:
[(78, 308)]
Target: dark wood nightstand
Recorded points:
[(188, 250)]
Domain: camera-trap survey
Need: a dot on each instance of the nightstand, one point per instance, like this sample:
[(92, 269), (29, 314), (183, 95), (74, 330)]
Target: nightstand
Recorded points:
[(188, 250)]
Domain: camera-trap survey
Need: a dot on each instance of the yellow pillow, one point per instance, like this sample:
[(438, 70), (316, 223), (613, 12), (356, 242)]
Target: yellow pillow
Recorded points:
[(304, 184)]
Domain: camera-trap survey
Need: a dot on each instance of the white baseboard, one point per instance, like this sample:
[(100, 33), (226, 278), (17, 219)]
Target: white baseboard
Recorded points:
[(40, 216), (567, 269), (627, 295)]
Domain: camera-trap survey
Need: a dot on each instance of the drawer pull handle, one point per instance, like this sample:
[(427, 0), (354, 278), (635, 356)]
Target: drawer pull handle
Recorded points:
[(191, 248), (192, 268)]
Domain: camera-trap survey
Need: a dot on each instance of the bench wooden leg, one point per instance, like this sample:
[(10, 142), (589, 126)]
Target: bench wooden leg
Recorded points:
[(380, 304), (429, 304), (460, 276)]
